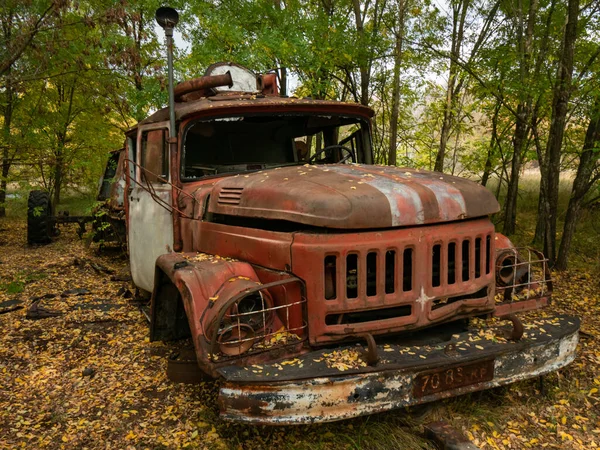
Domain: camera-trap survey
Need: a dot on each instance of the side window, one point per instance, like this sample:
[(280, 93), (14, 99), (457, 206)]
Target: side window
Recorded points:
[(155, 156)]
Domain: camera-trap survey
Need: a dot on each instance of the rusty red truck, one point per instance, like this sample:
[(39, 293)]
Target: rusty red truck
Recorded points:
[(313, 283)]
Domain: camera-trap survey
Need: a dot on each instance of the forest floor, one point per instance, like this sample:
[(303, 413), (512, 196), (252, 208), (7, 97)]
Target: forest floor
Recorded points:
[(125, 400)]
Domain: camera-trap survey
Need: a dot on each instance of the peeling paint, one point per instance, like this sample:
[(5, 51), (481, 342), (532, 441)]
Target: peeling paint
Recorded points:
[(325, 399)]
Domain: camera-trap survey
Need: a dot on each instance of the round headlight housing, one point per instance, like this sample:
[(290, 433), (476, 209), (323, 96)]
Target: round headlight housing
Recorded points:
[(506, 268)]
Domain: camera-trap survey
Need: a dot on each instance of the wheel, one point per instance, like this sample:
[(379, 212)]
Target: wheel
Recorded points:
[(40, 223)]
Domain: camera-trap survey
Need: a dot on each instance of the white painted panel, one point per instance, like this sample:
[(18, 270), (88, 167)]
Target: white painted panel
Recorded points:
[(150, 233)]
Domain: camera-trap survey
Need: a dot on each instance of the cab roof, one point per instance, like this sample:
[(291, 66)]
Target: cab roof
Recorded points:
[(231, 104)]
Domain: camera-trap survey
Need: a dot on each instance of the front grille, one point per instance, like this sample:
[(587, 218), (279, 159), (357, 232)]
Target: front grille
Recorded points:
[(230, 195), (381, 282), (450, 265), (375, 275), (392, 270)]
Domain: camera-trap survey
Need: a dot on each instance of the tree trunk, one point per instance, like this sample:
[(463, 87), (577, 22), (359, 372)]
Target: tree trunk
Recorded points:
[(540, 226), (538, 238), (519, 141), (459, 13), (445, 132), (6, 159), (62, 137), (487, 170), (282, 70), (283, 88), (581, 185), (560, 103), (362, 63), (392, 153), (365, 59), (525, 43), (58, 176)]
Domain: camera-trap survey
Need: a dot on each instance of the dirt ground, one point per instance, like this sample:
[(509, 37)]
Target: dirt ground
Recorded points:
[(90, 378)]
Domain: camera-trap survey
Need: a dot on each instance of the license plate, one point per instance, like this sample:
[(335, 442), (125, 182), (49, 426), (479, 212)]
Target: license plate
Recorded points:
[(439, 380)]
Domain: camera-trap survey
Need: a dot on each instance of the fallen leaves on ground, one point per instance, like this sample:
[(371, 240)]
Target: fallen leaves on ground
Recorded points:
[(90, 378), (564, 413)]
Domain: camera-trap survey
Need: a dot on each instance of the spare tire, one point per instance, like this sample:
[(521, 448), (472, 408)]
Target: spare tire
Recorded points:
[(40, 222)]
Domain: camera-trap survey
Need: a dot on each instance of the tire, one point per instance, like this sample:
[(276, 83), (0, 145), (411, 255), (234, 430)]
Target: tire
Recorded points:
[(40, 223)]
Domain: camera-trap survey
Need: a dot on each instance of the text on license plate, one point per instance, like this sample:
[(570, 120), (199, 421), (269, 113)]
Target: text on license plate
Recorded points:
[(433, 381)]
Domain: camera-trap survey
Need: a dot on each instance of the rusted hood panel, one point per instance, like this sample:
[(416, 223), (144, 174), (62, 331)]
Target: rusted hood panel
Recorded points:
[(352, 196)]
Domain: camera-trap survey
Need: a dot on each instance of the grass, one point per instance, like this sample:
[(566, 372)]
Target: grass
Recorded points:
[(17, 282), (75, 202), (585, 247), (395, 429)]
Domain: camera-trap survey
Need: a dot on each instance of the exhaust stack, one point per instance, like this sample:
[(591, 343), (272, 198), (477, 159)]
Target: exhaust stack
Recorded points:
[(168, 18)]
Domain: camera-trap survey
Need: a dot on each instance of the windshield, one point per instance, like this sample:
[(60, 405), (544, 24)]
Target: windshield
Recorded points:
[(246, 143)]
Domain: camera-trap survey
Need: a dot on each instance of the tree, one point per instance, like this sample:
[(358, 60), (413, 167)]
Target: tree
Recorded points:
[(457, 78), (551, 167), (398, 30), (525, 26), (588, 173), (21, 25)]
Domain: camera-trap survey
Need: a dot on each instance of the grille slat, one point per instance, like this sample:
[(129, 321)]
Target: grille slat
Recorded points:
[(369, 277)]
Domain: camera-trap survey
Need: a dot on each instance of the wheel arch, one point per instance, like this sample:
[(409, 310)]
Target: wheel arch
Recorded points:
[(168, 317)]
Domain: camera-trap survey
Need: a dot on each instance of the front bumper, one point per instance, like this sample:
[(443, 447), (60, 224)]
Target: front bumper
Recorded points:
[(312, 388)]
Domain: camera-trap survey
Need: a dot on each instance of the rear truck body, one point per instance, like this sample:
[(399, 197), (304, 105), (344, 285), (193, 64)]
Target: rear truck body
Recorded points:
[(315, 285)]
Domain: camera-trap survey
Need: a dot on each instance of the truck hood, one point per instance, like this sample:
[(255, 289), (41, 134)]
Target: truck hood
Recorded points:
[(356, 196)]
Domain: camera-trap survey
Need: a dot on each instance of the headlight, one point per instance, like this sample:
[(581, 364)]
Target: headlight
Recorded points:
[(506, 264), (246, 319), (245, 316), (235, 339)]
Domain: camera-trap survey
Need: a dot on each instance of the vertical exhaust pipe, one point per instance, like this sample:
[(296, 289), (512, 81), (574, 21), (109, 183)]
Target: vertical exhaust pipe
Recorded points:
[(168, 18)]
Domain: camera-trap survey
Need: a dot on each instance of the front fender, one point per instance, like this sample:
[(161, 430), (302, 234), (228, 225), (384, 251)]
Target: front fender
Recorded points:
[(184, 284)]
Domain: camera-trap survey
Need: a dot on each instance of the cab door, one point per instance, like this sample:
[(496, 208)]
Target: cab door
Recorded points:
[(150, 232)]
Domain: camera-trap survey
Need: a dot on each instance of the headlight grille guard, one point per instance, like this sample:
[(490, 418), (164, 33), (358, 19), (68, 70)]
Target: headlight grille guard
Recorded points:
[(522, 275), (251, 344)]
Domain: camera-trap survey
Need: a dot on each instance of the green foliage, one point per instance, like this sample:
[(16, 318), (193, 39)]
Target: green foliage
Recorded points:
[(87, 75), (17, 284), (37, 211), (74, 76)]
